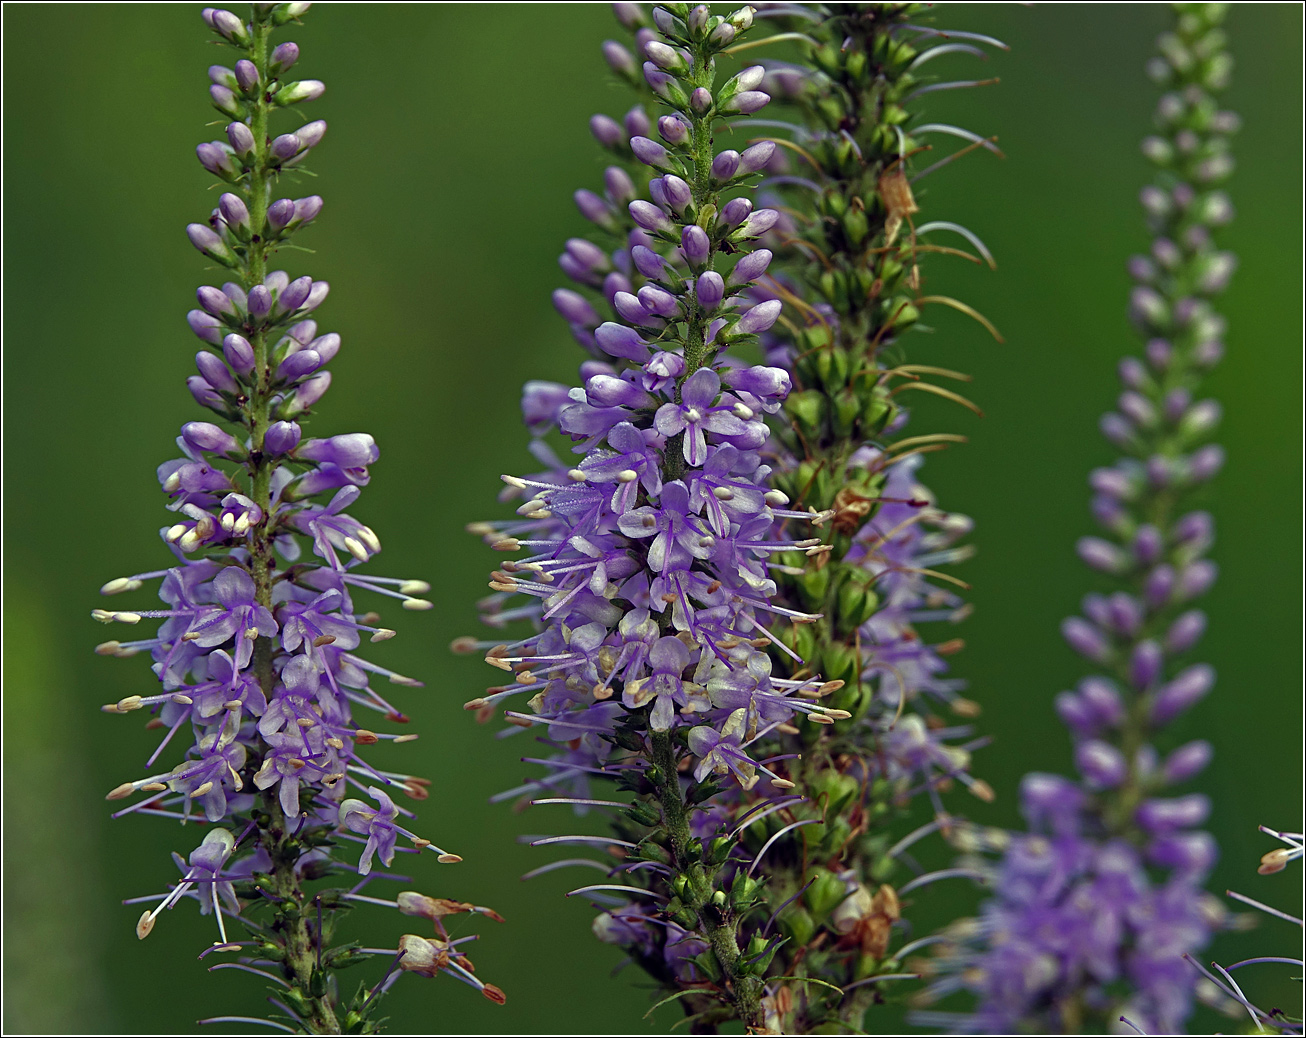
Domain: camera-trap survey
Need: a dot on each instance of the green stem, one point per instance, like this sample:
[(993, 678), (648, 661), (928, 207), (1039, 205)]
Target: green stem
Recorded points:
[(301, 948)]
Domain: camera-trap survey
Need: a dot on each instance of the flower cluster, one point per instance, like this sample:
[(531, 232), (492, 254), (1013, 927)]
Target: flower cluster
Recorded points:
[(687, 640), (257, 651), (1079, 913)]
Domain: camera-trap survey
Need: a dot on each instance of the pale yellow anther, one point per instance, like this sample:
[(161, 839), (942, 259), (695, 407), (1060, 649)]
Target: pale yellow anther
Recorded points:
[(336, 744), (191, 636), (228, 521), (420, 843), (780, 783), (381, 635), (368, 536), (576, 475), (355, 548), (104, 616), (514, 481), (144, 925), (305, 722), (410, 737), (364, 737), (199, 791), (507, 544), (323, 639), (119, 792), (627, 476), (251, 633), (153, 787), (417, 605), (776, 498), (175, 533), (448, 859), (189, 541), (182, 700), (173, 482), (1274, 861), (820, 719), (296, 763), (127, 618), (723, 493), (120, 584), (242, 524), (982, 791), (232, 704), (400, 679), (129, 703)]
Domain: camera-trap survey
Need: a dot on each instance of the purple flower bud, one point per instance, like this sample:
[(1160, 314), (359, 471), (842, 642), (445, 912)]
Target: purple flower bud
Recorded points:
[(1205, 462), (1155, 202), (1100, 696), (663, 56), (1141, 269), (1085, 639), (575, 308), (234, 212), (629, 15), (647, 262), (1159, 586), (665, 365), (1101, 555), (1187, 761), (215, 373), (673, 129), (223, 76), (678, 193), (637, 122), (1098, 609), (650, 152), (1196, 579), (710, 289), (735, 212), (239, 354), (747, 101), (1160, 472), (750, 268), (246, 75), (696, 246), (606, 130), (1159, 354), (1193, 853), (283, 57), (310, 134), (725, 165), (225, 24), (611, 391), (658, 301), (756, 157), (205, 395), (619, 341), (310, 391), (1208, 354), (662, 84), (216, 158), (1145, 664), (649, 216), (285, 147), (241, 139), (1132, 373), (1196, 529), (316, 296), (701, 99), (205, 326), (591, 206), (1075, 715), (698, 18), (205, 436), (1147, 308), (1185, 632), (299, 364), (294, 295), (348, 450), (303, 90), (1050, 801), (630, 308), (618, 58), (758, 223), (207, 240), (1180, 693), (1148, 543), (1116, 428), (760, 317), (1137, 408), (327, 346), (281, 213), (215, 301), (1101, 764), (614, 283), (281, 437), (1113, 482), (1165, 814), (1126, 613), (260, 301)]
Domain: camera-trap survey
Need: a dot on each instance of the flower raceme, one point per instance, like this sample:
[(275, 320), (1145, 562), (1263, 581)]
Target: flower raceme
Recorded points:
[(257, 652)]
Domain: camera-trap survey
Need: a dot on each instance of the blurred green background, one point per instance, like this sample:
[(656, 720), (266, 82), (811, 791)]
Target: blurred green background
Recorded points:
[(457, 136)]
